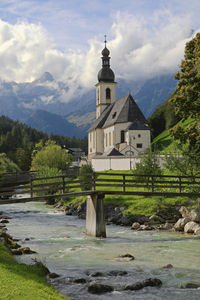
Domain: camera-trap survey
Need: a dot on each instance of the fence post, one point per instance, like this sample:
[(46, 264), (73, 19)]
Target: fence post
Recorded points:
[(63, 183), (31, 185), (179, 184), (124, 183), (152, 184)]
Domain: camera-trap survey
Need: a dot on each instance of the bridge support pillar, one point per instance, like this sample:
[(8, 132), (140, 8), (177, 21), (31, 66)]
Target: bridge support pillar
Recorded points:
[(95, 224)]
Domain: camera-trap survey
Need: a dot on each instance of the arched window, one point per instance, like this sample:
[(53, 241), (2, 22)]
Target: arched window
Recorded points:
[(122, 136), (108, 93)]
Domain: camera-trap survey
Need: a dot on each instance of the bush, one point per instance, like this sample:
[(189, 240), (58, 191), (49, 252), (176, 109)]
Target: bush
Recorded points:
[(86, 176)]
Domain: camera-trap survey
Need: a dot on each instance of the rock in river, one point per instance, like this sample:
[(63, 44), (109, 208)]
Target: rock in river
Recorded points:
[(97, 288)]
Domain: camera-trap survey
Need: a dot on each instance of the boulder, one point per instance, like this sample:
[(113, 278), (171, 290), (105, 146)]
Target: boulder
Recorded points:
[(192, 227), (80, 280), (97, 288), (135, 226), (4, 221), (125, 257), (96, 274), (146, 227), (168, 266), (117, 273), (154, 219), (195, 215), (184, 211), (53, 275), (26, 250), (180, 224), (140, 285), (191, 286)]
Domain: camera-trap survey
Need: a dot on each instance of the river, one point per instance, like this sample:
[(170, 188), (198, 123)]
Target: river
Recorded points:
[(62, 245)]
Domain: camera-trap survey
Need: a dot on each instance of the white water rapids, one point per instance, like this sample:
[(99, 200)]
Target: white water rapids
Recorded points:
[(62, 245)]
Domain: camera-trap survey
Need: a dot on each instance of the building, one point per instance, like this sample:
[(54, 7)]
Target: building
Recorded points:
[(120, 128)]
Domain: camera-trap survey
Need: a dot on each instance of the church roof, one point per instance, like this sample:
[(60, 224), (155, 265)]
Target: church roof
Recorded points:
[(122, 111), (115, 152), (99, 122), (126, 110)]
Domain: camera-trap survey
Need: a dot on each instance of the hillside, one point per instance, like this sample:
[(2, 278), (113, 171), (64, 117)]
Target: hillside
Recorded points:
[(18, 140)]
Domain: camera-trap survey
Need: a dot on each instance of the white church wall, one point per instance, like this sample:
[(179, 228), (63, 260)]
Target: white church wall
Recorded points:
[(140, 139), (109, 138), (118, 128), (114, 163), (99, 141)]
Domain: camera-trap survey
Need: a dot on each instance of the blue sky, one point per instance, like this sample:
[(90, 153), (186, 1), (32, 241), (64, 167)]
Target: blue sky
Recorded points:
[(65, 37)]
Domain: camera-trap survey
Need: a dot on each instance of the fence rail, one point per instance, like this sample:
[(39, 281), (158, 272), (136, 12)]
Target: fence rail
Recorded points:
[(127, 184)]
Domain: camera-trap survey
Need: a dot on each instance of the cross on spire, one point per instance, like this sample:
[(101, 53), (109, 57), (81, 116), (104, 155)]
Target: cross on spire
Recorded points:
[(105, 39)]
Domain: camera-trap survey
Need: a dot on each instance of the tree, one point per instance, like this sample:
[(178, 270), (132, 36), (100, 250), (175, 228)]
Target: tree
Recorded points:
[(148, 164), (186, 97), (50, 155)]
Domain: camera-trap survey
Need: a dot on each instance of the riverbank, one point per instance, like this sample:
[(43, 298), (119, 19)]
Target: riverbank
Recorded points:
[(21, 281)]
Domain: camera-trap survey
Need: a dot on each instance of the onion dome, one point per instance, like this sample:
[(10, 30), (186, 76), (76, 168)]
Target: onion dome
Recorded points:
[(106, 74)]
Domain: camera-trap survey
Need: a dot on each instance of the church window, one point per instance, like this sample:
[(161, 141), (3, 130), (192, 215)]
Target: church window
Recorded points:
[(139, 135), (122, 136), (139, 145), (108, 93), (98, 96), (106, 140), (114, 115), (109, 138), (90, 136), (113, 138), (93, 139)]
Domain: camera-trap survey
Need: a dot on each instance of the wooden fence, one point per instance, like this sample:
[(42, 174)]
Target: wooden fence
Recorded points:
[(106, 183)]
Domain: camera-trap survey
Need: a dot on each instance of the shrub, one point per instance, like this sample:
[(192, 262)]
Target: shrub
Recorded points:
[(86, 176)]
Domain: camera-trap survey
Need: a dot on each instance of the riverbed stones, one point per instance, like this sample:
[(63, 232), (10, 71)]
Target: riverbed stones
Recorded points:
[(53, 275), (191, 286), (80, 280), (180, 224), (5, 221), (195, 215), (154, 219), (125, 257), (168, 266), (192, 227), (141, 284), (135, 226), (117, 273), (97, 288), (184, 211)]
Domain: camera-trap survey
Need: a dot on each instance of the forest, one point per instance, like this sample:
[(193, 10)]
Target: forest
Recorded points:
[(18, 140)]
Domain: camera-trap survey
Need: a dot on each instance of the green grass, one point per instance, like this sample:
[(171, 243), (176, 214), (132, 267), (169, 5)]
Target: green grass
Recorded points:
[(146, 205), (23, 282), (164, 140)]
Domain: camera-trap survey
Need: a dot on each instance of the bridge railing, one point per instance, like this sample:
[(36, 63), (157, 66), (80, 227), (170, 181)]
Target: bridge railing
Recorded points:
[(117, 183)]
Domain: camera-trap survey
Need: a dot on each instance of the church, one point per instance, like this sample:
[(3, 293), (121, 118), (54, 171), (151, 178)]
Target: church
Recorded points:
[(120, 128)]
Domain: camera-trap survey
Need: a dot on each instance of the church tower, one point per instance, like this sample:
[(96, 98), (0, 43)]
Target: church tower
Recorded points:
[(106, 86)]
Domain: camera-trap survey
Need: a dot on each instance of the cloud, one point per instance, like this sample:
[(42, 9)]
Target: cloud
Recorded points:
[(141, 48)]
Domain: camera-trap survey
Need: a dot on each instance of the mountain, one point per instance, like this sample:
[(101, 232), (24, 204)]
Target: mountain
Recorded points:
[(40, 103), (53, 124)]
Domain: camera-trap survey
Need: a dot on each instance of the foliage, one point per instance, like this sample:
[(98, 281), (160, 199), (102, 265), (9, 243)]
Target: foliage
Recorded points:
[(50, 155), (86, 175), (20, 281), (148, 164), (163, 118), (184, 161), (45, 172), (6, 165), (186, 98)]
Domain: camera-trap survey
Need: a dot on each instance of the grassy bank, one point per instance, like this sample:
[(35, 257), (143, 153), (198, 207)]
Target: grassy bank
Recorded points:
[(23, 282), (146, 205)]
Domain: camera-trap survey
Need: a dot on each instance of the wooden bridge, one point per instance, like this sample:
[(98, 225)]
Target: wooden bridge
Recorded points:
[(29, 187)]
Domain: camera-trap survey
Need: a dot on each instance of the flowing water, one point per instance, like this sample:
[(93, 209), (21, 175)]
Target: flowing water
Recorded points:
[(62, 245)]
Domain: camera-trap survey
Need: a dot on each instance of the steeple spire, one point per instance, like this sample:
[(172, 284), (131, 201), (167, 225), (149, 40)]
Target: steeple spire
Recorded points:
[(106, 74)]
